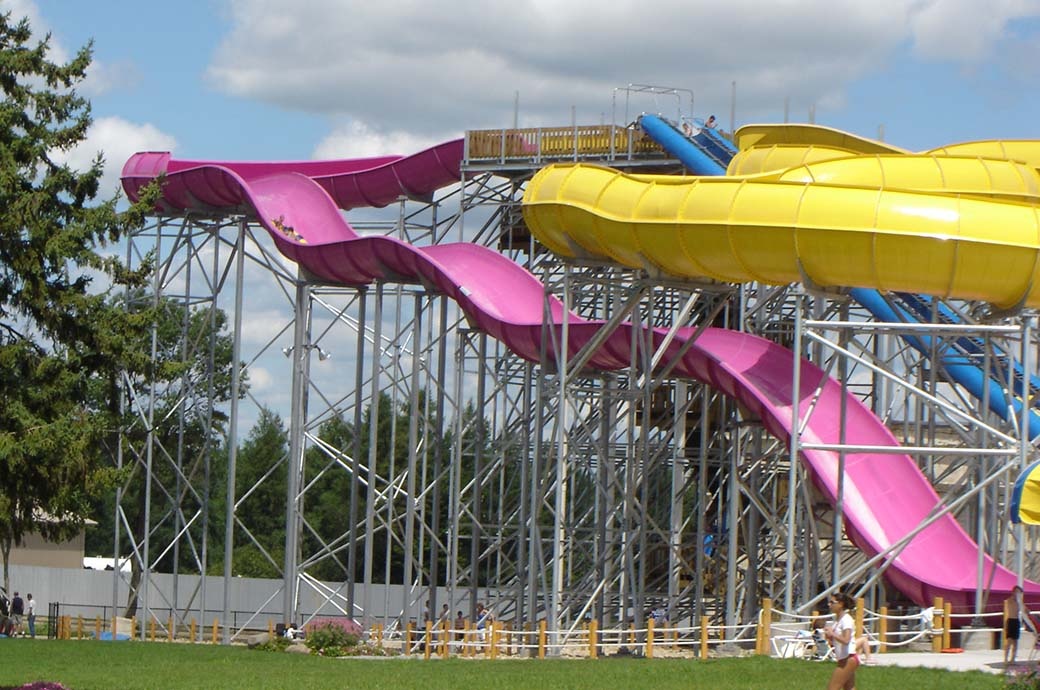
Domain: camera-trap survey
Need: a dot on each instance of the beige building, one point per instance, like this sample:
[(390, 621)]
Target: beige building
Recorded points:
[(37, 551)]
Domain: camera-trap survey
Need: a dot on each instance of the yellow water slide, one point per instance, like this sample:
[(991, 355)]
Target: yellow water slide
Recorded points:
[(812, 204)]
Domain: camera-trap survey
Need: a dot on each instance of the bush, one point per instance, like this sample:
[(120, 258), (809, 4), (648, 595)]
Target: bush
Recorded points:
[(275, 644), (330, 638), (349, 626)]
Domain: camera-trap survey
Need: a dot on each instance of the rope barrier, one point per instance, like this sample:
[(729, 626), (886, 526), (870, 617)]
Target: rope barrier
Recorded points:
[(773, 632)]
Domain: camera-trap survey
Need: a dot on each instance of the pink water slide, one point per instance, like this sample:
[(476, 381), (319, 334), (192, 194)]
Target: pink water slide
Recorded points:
[(886, 497)]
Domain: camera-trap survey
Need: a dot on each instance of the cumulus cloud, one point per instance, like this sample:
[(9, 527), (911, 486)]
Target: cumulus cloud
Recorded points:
[(963, 30), (115, 139), (438, 68), (357, 140)]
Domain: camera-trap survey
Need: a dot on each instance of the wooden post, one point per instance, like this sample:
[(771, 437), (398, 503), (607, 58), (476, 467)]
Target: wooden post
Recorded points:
[(191, 632), (860, 608), (494, 639), (766, 626), (169, 628), (883, 630), (98, 628), (428, 640), (593, 625), (79, 627), (632, 634), (541, 639), (133, 628), (704, 637), (151, 629), (408, 629), (216, 628), (937, 624), (270, 627), (947, 622), (446, 631), (650, 638)]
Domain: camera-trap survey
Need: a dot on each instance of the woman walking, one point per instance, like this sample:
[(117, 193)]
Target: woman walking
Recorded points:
[(840, 636)]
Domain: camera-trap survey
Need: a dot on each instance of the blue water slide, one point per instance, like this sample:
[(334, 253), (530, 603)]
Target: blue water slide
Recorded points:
[(925, 306), (703, 154), (962, 365), (714, 142)]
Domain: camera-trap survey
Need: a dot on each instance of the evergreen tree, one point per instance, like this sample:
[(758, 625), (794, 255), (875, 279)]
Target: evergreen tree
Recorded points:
[(261, 487), (57, 331)]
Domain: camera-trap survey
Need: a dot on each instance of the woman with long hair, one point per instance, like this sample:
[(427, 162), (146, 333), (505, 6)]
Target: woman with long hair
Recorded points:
[(840, 636)]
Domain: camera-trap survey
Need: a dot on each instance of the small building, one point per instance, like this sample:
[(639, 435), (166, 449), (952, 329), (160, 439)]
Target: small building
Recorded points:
[(37, 551)]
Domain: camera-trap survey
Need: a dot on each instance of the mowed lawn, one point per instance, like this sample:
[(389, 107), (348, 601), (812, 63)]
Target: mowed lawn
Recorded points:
[(128, 665)]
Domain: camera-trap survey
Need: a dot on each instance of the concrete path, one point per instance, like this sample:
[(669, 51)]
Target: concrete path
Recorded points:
[(989, 661)]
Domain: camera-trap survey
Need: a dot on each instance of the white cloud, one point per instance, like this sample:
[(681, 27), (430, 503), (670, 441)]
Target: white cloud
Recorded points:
[(964, 30), (116, 139), (434, 68), (103, 77), (358, 140), (260, 379)]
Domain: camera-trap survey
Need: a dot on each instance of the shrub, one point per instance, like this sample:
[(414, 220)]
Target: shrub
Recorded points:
[(349, 626), (330, 638), (275, 644)]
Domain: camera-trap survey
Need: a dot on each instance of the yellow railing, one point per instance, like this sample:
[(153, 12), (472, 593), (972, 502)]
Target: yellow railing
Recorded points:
[(539, 143)]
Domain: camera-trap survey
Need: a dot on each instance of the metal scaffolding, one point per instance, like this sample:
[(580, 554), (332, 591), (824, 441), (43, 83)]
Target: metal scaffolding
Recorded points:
[(548, 489)]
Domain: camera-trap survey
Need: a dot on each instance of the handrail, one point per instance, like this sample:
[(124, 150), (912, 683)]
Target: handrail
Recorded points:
[(543, 144)]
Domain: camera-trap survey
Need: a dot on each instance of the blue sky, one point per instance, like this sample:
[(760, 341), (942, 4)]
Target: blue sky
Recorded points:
[(266, 80)]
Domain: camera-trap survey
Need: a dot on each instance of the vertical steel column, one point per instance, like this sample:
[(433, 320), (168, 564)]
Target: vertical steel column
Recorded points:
[(560, 502), (523, 594), (678, 490), (413, 450), (1025, 444), (230, 514), (476, 527), (373, 450), (185, 352), (702, 507), (839, 501), (732, 518), (294, 465), (792, 470), (355, 453), (145, 555), (535, 563), (438, 452)]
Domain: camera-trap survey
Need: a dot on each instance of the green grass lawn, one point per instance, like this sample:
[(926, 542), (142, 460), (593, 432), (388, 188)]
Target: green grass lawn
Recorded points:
[(129, 665)]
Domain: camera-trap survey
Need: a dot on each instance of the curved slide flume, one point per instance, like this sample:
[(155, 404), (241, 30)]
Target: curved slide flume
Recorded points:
[(506, 301), (837, 223), (352, 183)]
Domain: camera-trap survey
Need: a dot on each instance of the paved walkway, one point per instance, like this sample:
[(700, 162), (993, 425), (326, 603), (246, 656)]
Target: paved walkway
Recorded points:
[(990, 661)]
